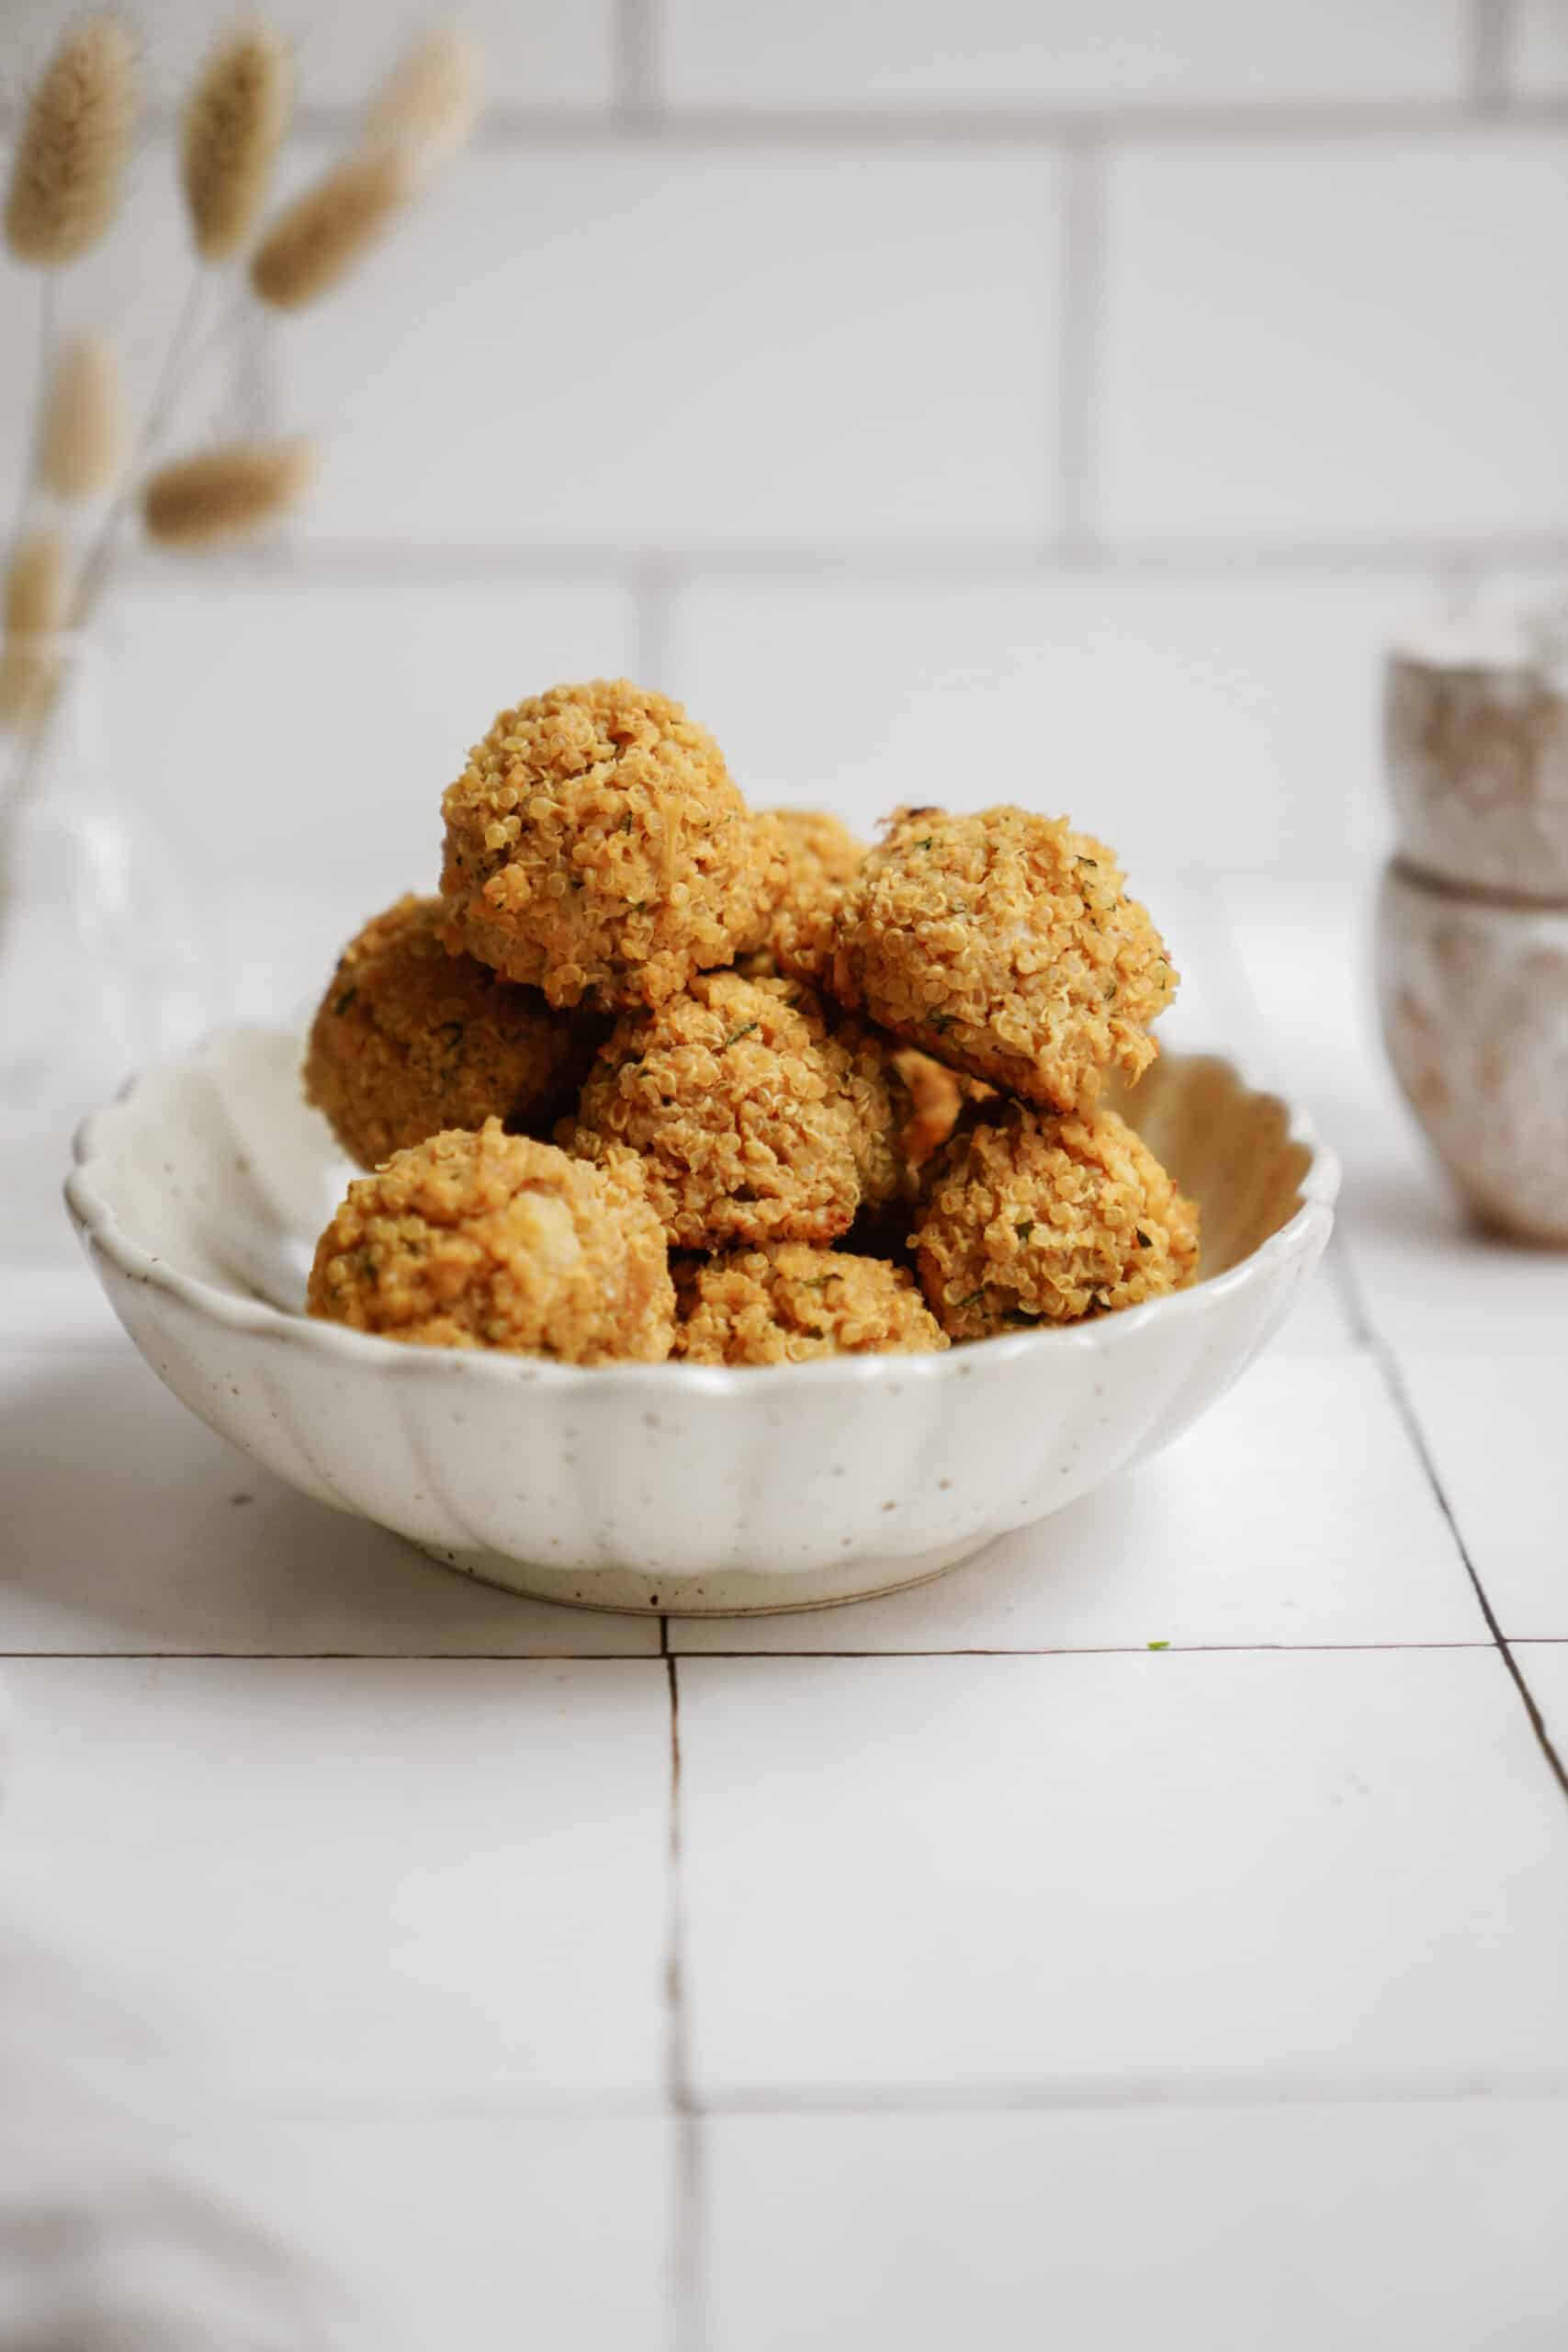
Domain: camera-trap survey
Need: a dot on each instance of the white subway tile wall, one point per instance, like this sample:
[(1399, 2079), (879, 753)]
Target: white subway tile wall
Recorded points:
[(1008, 399), (1059, 53)]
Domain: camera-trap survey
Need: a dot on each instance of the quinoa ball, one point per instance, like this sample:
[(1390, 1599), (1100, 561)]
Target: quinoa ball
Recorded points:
[(753, 1122), (786, 1304), (597, 847), (492, 1240), (1004, 944), (821, 856), (409, 1039), (1032, 1219)]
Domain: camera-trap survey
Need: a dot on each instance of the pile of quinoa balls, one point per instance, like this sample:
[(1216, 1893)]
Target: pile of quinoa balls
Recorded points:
[(659, 1076)]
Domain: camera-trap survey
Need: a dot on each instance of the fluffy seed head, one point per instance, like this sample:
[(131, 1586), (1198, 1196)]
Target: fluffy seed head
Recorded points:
[(426, 108), (234, 122), (35, 585), (319, 238), (225, 493), (83, 444), (70, 160)]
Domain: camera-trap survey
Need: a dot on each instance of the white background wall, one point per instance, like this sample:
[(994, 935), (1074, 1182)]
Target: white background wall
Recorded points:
[(951, 399)]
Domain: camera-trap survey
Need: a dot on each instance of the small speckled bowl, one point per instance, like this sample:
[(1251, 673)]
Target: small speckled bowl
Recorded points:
[(1473, 993), (1475, 745), (685, 1487)]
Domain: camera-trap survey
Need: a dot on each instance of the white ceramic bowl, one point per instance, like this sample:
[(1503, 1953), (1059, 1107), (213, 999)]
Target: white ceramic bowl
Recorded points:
[(200, 1193)]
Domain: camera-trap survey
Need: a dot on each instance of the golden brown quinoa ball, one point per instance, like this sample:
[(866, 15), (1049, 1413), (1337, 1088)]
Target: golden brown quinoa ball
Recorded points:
[(492, 1240), (1032, 1219), (787, 1304), (408, 1040), (821, 856), (753, 1122), (597, 847), (1004, 944)]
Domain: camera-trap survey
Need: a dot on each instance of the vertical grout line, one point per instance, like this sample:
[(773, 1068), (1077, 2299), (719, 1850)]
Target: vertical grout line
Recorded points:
[(636, 61), (1078, 352), (1491, 43), (653, 594), (688, 2328)]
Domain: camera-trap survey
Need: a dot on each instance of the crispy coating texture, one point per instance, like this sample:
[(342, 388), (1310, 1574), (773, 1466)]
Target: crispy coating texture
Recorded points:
[(492, 1240), (409, 1039), (787, 1304), (596, 846), (1032, 1219), (820, 857), (1004, 944), (754, 1122)]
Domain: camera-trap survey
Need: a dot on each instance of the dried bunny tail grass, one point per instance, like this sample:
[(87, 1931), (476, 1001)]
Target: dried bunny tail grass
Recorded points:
[(234, 122), (70, 161), (82, 440), (222, 492), (318, 239), (426, 108), (30, 670), (36, 585)]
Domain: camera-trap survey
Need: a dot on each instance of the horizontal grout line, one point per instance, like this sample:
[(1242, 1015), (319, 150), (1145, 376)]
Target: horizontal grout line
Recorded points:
[(661, 1658), (923, 562), (1066, 2095), (643, 123), (1165, 2091), (564, 2107)]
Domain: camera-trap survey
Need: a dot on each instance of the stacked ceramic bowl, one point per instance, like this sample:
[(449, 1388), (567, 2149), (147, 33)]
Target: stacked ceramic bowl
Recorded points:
[(1472, 920)]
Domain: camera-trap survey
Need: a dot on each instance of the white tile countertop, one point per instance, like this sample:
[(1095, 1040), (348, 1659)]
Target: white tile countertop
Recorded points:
[(1157, 1930)]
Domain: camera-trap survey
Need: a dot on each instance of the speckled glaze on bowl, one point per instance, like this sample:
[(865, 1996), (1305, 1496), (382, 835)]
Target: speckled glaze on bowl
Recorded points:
[(1475, 748), (1473, 994), (689, 1489)]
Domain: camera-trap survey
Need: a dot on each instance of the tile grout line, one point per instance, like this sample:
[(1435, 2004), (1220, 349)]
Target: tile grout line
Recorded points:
[(686, 2262), (1491, 45), (668, 1657), (779, 563), (652, 587), (1078, 348), (1392, 1377), (1340, 1264), (634, 115), (637, 46)]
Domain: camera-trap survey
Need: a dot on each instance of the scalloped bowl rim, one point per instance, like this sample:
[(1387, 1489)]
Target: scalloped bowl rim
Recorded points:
[(97, 1223)]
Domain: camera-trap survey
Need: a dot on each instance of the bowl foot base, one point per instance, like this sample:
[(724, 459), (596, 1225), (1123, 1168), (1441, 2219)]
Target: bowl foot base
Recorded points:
[(719, 1592)]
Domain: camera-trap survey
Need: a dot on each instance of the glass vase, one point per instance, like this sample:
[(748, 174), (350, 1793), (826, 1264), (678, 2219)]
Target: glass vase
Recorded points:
[(102, 968)]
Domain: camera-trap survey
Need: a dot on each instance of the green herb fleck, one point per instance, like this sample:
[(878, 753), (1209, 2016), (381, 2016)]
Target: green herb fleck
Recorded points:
[(1092, 861), (974, 1298), (940, 1022), (574, 881), (1160, 1646), (1144, 1241), (927, 842), (1025, 1229), (745, 1028), (344, 1000)]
